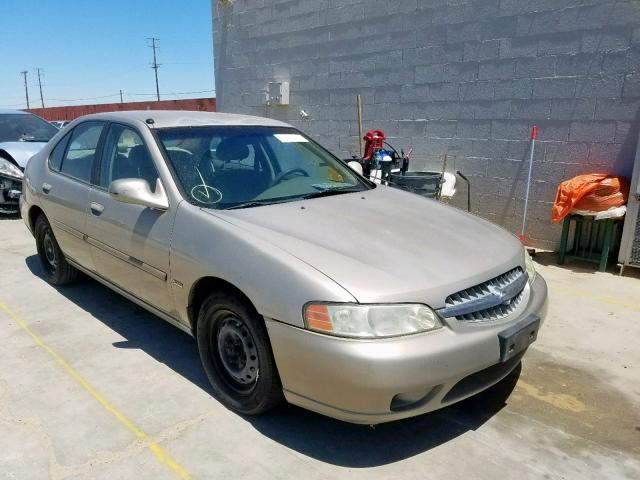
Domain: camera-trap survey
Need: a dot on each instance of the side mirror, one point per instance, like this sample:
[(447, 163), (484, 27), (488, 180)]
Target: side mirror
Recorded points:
[(136, 191), (355, 166)]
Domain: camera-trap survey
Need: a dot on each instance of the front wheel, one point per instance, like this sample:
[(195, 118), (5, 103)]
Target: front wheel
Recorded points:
[(57, 271), (236, 355)]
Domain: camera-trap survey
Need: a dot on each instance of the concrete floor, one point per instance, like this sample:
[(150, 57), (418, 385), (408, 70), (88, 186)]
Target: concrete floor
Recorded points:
[(95, 361)]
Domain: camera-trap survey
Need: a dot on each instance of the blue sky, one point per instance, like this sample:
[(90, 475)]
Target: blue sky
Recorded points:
[(95, 48)]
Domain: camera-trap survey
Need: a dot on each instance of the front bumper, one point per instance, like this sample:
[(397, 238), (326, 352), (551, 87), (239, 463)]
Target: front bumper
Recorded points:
[(376, 381), (10, 191)]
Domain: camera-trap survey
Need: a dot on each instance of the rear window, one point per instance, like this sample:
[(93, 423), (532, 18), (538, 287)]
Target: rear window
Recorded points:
[(20, 127)]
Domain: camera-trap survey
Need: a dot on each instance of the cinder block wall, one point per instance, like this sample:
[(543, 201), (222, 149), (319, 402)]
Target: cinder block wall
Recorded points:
[(467, 77)]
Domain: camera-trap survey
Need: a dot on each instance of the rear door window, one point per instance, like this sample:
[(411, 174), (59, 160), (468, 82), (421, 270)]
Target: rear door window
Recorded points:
[(80, 155), (55, 158)]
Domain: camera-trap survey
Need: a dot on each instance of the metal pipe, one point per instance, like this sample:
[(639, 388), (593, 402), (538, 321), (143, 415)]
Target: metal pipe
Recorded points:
[(468, 189)]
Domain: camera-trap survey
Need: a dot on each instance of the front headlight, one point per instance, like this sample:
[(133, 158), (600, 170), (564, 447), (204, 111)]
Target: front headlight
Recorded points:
[(370, 321), (8, 169), (529, 265)]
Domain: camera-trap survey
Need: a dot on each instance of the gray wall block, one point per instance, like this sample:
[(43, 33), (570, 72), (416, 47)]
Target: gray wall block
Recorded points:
[(465, 77)]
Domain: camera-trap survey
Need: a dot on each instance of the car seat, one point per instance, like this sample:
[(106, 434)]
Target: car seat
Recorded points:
[(122, 168), (237, 184), (140, 161)]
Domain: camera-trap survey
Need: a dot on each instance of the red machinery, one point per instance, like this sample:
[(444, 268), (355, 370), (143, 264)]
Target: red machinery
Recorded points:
[(380, 157), (374, 141)]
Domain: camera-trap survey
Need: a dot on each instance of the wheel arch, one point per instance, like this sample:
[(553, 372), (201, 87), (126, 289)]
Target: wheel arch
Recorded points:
[(201, 289), (34, 212)]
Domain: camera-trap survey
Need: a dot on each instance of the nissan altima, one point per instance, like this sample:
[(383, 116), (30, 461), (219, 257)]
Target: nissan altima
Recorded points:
[(299, 279)]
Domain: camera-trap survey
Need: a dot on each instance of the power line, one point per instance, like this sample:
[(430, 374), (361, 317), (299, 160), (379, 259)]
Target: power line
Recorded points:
[(155, 65), (188, 63), (26, 89), (81, 99), (172, 93), (120, 94), (9, 105), (40, 85)]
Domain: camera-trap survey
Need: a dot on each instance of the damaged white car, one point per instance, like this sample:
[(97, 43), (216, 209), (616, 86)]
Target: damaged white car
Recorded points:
[(22, 135)]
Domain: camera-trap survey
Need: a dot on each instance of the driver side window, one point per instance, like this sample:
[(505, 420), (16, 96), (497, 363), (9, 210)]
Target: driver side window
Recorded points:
[(126, 156)]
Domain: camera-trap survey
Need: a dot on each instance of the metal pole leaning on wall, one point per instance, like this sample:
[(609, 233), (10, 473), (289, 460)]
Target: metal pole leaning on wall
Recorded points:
[(534, 135)]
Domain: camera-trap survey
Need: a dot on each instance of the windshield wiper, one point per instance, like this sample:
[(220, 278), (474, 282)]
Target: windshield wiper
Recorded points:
[(30, 138), (252, 203), (329, 192), (323, 193)]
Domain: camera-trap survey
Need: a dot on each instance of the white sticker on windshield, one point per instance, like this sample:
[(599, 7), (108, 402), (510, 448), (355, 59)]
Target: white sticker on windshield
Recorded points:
[(290, 138)]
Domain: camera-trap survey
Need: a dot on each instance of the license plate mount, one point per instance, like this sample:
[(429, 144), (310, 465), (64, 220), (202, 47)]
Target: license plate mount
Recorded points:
[(517, 338)]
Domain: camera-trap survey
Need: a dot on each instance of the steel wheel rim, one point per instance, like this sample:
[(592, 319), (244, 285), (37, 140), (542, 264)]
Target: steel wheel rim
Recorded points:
[(237, 354), (49, 251)]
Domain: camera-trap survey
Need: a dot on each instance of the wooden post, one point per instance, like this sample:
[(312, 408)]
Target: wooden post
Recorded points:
[(444, 169), (359, 107)]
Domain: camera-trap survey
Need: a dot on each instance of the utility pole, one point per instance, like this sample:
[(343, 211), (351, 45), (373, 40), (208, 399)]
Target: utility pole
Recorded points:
[(40, 85), (121, 97), (26, 89), (155, 64)]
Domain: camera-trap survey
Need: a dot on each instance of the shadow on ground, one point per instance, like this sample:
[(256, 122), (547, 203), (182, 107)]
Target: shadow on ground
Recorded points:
[(582, 266), (311, 434)]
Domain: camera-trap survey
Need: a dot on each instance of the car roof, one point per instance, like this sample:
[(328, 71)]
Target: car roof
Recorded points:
[(185, 118), (5, 111)]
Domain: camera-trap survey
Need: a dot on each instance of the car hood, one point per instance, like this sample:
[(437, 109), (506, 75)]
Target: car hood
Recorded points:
[(386, 245), (21, 152)]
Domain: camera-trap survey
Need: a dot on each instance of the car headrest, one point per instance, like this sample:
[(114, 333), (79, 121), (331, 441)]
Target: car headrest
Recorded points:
[(138, 156), (140, 160), (232, 148)]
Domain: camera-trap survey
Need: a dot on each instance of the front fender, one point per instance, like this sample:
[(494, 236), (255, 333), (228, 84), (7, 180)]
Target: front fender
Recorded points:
[(277, 283)]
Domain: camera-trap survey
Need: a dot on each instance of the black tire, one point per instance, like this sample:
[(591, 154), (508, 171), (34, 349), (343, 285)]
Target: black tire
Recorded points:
[(56, 269), (236, 355)]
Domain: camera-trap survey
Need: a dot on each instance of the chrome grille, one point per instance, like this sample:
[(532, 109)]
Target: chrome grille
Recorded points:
[(490, 300)]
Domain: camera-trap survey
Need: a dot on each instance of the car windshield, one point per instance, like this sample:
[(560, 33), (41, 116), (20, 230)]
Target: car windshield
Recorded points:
[(239, 167), (18, 127)]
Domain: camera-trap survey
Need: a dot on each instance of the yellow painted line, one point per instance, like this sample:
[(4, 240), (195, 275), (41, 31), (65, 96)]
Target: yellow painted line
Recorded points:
[(558, 400), (162, 456), (594, 296)]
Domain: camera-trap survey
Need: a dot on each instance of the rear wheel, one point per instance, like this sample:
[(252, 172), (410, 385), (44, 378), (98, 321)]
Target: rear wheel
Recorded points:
[(236, 355), (57, 270)]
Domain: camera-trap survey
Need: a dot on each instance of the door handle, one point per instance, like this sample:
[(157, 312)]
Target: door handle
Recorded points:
[(46, 188), (96, 208)]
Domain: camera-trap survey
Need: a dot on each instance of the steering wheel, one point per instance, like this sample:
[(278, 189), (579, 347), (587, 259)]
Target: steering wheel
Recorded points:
[(286, 173)]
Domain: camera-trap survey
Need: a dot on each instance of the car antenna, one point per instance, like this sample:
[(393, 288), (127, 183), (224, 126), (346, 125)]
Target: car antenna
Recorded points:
[(149, 121)]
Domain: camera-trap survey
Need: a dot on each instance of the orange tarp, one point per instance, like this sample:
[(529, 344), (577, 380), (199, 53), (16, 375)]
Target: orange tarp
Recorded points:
[(595, 192)]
